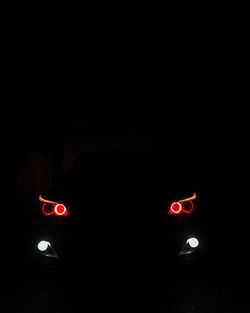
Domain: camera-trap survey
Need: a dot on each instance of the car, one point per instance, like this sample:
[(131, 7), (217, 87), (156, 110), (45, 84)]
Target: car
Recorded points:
[(120, 212)]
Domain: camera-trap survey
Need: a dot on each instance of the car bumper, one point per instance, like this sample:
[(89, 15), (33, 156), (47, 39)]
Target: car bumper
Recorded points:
[(92, 253)]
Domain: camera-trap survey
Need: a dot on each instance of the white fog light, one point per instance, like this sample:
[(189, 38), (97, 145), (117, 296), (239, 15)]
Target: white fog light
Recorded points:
[(193, 242), (43, 245)]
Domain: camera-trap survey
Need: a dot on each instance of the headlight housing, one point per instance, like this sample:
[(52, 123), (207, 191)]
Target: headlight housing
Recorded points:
[(184, 206), (53, 208)]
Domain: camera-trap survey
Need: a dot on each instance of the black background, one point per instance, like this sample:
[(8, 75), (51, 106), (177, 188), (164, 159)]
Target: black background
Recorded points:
[(191, 94)]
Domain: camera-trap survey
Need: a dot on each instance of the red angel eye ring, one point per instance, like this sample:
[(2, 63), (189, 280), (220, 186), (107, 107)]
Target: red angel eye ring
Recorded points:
[(47, 209), (175, 208), (60, 209), (188, 207)]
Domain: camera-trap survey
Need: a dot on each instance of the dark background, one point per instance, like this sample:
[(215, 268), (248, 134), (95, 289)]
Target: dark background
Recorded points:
[(196, 100)]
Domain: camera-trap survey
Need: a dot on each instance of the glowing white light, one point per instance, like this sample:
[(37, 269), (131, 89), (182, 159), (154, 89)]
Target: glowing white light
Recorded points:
[(193, 242), (43, 245)]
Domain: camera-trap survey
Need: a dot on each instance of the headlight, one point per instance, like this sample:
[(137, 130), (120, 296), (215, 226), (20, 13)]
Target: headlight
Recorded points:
[(53, 208), (43, 245), (185, 206)]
